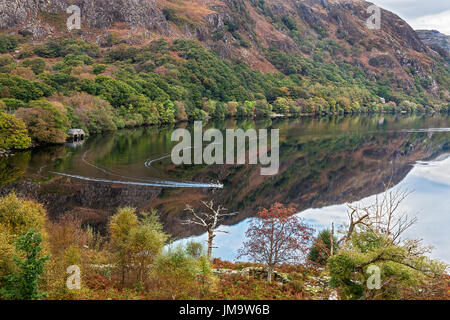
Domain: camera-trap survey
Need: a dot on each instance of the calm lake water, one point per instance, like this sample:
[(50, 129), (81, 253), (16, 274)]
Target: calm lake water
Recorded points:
[(325, 164)]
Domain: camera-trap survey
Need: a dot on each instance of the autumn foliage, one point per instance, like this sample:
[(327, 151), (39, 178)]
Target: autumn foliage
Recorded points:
[(276, 236)]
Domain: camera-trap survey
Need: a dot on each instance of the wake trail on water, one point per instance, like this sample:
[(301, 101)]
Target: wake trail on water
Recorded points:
[(148, 163), (145, 182), (172, 184), (427, 130)]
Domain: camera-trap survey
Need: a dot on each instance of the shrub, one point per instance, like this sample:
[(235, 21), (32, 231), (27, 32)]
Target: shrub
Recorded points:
[(5, 60), (179, 275), (400, 267), (26, 51), (7, 43), (19, 215), (37, 65), (13, 104), (297, 285), (13, 132), (99, 68)]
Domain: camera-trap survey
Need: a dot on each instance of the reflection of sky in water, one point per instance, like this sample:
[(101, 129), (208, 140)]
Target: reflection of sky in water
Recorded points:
[(430, 202)]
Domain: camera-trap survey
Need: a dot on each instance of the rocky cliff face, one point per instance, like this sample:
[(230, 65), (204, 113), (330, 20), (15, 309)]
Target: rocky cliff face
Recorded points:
[(95, 14), (435, 40)]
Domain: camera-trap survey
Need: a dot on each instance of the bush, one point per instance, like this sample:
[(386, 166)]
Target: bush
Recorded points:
[(13, 133), (6, 60), (99, 68), (37, 65), (60, 47), (297, 285), (400, 268), (179, 275), (7, 43), (19, 215)]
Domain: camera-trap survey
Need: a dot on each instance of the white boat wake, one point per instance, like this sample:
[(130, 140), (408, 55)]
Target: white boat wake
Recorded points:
[(164, 184), (427, 130), (148, 163), (144, 182)]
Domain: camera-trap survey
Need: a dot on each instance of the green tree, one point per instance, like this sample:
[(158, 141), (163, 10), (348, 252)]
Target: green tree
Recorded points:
[(321, 249), (146, 241), (136, 243), (13, 132), (375, 239), (281, 105), (23, 283), (120, 228)]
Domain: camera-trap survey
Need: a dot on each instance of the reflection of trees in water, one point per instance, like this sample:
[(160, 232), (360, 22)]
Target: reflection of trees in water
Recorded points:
[(49, 158), (13, 167), (323, 161), (324, 171)]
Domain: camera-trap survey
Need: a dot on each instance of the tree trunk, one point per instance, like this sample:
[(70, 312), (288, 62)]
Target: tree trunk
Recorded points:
[(269, 274), (123, 276), (332, 240), (210, 242)]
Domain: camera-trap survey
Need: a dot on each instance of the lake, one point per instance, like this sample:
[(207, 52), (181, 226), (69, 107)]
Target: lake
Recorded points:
[(325, 163)]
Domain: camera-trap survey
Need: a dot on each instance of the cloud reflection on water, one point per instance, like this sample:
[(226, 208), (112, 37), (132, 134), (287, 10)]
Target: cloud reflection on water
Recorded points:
[(430, 202)]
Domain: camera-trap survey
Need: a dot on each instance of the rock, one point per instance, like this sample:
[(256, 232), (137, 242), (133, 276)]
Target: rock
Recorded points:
[(433, 38), (97, 14), (257, 272), (333, 295)]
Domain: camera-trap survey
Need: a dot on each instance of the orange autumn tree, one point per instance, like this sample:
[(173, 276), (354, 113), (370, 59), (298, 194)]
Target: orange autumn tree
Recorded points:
[(276, 236)]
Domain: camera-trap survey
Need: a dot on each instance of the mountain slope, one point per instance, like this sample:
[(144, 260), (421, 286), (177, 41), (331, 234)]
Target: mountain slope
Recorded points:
[(158, 61), (435, 39)]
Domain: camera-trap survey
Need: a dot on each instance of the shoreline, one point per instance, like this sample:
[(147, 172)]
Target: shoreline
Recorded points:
[(7, 152)]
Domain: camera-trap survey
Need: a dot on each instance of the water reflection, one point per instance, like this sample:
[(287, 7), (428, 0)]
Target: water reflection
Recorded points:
[(430, 181), (324, 164)]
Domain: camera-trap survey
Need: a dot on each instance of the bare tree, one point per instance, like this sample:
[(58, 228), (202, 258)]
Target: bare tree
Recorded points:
[(332, 240), (208, 220), (382, 217)]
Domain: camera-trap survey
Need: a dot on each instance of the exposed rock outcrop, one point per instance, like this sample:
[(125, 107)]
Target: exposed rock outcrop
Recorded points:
[(435, 40), (94, 14)]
